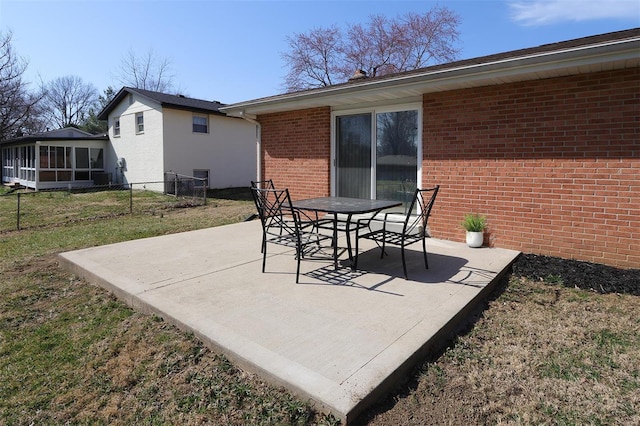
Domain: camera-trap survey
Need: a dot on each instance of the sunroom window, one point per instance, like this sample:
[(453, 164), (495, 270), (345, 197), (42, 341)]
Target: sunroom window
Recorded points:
[(55, 163), (88, 162)]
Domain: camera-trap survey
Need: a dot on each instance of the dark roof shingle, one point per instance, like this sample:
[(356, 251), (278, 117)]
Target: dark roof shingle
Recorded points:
[(67, 133), (166, 100)]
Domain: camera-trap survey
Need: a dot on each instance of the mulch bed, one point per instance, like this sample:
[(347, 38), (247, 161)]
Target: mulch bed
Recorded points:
[(572, 273)]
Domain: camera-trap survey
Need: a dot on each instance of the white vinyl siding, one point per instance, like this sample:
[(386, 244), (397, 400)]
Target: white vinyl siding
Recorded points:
[(142, 151), (227, 151)]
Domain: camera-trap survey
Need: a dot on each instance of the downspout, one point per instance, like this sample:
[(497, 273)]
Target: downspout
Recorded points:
[(252, 119)]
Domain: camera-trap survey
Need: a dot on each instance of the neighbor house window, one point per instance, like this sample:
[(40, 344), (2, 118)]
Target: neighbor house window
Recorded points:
[(139, 122), (201, 174), (97, 162), (88, 162), (82, 164), (116, 126), (200, 124), (55, 163), (9, 163), (19, 163)]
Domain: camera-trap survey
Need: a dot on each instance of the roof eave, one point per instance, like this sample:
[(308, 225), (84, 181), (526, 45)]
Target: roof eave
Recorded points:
[(25, 140), (617, 53), (192, 109), (104, 114)]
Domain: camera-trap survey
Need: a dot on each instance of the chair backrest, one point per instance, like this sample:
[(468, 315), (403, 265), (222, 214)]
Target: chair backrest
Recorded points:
[(423, 200), (263, 184), (274, 207), (260, 184)]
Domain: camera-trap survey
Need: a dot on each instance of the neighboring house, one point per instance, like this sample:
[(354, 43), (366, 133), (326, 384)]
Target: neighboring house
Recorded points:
[(543, 141), (55, 159), (152, 133)]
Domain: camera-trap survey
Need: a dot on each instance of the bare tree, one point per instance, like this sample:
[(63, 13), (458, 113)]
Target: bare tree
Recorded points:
[(313, 58), (326, 56), (68, 101), (18, 106), (148, 72)]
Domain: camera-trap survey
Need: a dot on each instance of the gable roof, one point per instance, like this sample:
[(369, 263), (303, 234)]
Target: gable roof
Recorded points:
[(67, 133), (166, 101), (584, 55)]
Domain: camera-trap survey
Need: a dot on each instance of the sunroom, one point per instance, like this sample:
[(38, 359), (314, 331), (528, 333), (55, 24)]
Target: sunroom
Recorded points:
[(57, 159)]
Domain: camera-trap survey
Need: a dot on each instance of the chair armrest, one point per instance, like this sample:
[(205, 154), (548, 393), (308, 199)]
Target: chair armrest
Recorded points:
[(370, 218), (302, 216), (305, 220)]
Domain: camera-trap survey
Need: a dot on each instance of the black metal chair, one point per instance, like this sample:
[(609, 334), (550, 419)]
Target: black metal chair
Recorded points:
[(306, 219), (263, 184), (401, 230), (284, 225), (260, 184)]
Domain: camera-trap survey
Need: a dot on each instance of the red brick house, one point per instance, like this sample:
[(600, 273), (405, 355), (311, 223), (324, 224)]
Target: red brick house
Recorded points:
[(543, 141)]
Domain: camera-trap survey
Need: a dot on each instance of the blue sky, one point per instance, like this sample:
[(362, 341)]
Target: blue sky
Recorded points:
[(231, 50)]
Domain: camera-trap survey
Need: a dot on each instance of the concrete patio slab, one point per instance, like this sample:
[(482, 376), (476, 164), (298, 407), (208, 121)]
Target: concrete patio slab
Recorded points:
[(341, 339)]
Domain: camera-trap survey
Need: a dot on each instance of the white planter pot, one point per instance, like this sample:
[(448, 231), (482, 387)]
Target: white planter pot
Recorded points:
[(475, 239)]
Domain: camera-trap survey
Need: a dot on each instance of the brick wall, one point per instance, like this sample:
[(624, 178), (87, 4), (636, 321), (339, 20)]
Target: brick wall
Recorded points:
[(553, 164), (296, 151)]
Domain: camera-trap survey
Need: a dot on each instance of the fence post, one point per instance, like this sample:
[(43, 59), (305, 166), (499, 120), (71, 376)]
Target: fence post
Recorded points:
[(131, 198), (164, 183), (18, 218), (204, 186), (175, 186)]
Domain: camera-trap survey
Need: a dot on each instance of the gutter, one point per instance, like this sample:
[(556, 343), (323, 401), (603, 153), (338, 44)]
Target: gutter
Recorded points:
[(252, 119)]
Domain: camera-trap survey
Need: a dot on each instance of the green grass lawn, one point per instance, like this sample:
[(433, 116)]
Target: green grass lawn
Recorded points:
[(70, 353), (46, 209)]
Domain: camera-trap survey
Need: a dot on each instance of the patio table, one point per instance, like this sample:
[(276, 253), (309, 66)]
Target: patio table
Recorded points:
[(344, 206)]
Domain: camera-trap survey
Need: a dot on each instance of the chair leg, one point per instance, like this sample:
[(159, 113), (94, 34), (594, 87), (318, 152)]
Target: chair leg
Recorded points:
[(298, 267), (404, 263), (424, 252), (354, 264), (264, 258)]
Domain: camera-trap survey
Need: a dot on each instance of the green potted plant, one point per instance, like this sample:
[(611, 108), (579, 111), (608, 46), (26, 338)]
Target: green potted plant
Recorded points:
[(475, 226)]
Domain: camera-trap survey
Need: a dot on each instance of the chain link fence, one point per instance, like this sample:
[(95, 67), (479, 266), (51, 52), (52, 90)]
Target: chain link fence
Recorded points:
[(26, 209), (185, 186)]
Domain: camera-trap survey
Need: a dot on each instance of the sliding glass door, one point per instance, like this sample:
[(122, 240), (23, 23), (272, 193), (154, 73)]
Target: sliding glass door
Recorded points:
[(377, 154), (396, 155), (353, 156)]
